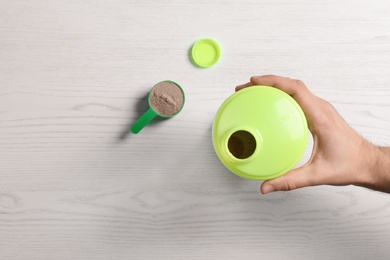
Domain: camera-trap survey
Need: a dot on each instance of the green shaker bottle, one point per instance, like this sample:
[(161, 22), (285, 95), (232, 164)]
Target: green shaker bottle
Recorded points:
[(260, 133)]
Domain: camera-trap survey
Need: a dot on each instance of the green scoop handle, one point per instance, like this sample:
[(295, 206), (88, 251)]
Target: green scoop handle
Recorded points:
[(143, 121)]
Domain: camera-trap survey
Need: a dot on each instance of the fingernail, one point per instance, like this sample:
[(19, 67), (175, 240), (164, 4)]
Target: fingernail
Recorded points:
[(269, 188)]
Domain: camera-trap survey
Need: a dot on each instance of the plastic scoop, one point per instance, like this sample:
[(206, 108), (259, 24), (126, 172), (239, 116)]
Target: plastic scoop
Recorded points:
[(166, 99)]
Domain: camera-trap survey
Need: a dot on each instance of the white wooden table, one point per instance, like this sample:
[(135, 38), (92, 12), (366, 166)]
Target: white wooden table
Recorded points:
[(74, 76)]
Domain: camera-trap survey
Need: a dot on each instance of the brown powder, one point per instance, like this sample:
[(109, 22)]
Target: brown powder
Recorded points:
[(166, 98)]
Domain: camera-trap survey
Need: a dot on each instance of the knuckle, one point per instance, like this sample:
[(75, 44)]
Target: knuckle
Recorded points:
[(290, 185), (328, 109), (326, 115), (299, 83)]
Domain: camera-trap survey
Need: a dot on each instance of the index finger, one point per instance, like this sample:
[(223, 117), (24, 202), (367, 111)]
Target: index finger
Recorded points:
[(295, 88)]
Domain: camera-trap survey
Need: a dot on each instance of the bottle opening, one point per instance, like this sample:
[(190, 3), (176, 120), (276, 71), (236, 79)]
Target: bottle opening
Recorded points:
[(242, 144)]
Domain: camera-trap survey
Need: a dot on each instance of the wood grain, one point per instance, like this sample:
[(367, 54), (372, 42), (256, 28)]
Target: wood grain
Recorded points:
[(74, 76)]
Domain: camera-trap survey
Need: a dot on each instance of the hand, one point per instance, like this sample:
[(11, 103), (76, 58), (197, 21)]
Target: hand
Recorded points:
[(340, 156)]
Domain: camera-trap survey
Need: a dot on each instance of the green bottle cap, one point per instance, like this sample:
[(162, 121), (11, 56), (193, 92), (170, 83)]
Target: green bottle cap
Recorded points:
[(205, 53)]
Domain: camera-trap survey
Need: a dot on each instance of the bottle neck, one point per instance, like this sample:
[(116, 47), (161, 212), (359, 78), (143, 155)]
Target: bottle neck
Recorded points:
[(242, 144)]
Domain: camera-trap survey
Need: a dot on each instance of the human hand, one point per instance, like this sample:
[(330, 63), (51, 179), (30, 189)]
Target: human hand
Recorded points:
[(340, 156)]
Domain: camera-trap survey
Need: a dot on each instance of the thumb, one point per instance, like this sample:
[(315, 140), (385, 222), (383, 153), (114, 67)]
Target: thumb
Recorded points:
[(294, 179)]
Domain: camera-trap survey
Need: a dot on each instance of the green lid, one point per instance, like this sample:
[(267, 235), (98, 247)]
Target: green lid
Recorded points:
[(260, 133), (205, 52)]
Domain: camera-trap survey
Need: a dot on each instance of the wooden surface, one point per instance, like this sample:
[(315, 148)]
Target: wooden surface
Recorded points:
[(74, 76)]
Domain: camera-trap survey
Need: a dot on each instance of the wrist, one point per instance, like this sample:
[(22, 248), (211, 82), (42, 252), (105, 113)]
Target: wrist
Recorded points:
[(378, 169), (383, 164)]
